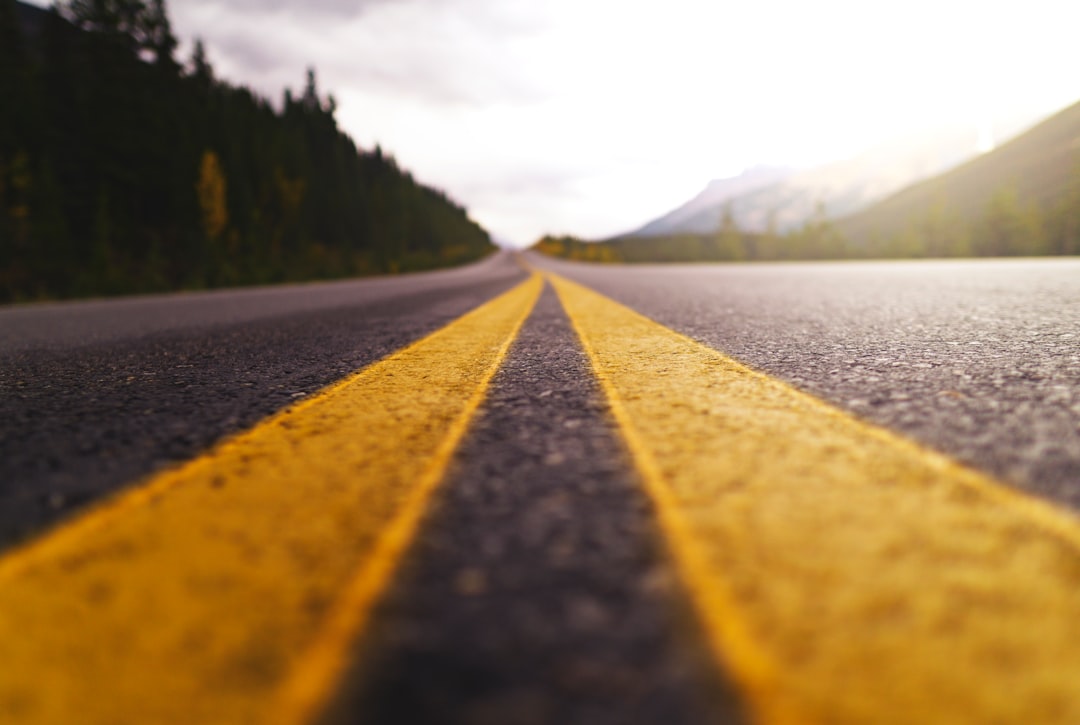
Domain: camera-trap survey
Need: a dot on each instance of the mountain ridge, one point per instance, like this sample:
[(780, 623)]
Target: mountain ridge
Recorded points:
[(712, 197), (1034, 170)]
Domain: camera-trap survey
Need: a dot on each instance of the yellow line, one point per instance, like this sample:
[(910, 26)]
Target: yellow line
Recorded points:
[(231, 590), (842, 574)]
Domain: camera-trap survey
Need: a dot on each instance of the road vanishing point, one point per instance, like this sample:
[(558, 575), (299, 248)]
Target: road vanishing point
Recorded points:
[(529, 491)]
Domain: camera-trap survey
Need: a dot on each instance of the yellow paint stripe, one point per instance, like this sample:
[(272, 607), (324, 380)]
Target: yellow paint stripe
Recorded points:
[(843, 575), (230, 590)]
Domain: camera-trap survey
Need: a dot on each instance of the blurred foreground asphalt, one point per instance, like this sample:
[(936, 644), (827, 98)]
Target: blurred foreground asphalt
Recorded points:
[(538, 589)]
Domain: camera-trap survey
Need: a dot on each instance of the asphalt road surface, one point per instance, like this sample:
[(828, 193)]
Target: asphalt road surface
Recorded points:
[(545, 581), (978, 359), (99, 394)]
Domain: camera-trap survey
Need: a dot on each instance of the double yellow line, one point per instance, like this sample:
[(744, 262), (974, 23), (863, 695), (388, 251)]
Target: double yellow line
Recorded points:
[(841, 574)]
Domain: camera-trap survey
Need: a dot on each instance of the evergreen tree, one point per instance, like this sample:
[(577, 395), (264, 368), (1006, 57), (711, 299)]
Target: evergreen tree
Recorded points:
[(1008, 228), (1064, 224), (199, 67), (728, 245), (15, 80), (211, 189), (159, 38), (818, 238)]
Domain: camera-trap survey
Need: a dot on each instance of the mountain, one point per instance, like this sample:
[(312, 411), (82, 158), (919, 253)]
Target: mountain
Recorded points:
[(702, 213), (1033, 178), (786, 199)]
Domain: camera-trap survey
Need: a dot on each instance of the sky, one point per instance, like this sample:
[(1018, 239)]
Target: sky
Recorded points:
[(591, 117)]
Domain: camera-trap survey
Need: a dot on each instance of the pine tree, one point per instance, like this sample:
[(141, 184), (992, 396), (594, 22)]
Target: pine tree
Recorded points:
[(728, 244), (13, 72), (310, 99), (14, 80), (199, 67), (211, 190), (159, 38), (1008, 228), (1065, 219)]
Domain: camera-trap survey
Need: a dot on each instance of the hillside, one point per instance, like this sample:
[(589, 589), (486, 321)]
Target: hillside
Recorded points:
[(701, 215), (1031, 183), (124, 170)]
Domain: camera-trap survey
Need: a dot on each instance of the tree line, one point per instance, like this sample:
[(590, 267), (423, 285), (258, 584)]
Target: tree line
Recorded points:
[(1006, 227), (816, 239), (123, 169)]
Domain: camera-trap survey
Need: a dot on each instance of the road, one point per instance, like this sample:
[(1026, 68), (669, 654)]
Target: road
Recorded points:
[(568, 511)]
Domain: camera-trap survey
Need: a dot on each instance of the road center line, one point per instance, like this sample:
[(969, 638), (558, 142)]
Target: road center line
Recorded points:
[(229, 590), (537, 591), (843, 574)]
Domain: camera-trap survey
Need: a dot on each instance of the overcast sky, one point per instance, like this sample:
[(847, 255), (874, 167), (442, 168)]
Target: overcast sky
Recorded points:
[(593, 116)]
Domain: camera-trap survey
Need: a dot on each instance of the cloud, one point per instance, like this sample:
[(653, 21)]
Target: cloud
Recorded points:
[(329, 8), (306, 8), (437, 51)]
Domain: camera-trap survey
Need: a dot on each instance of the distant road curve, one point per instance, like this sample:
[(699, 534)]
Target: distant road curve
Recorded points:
[(74, 323)]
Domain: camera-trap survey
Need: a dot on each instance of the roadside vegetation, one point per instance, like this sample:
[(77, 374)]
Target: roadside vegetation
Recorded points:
[(124, 169), (1007, 227)]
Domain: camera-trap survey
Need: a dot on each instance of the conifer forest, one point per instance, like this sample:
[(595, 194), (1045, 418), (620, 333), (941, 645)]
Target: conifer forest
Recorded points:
[(125, 169)]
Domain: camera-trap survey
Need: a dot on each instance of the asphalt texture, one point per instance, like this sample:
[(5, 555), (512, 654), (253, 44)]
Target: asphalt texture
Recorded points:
[(95, 396), (979, 359), (537, 589), (538, 592)]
